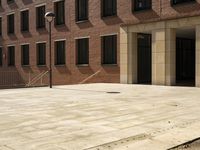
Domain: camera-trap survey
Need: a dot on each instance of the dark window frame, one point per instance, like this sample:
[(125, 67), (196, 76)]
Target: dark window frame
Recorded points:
[(41, 61), (104, 10), (60, 58), (79, 17), (104, 49), (82, 53), (179, 2), (24, 22), (11, 58), (58, 20), (136, 7), (1, 26), (11, 24), (40, 19), (1, 56), (25, 50)]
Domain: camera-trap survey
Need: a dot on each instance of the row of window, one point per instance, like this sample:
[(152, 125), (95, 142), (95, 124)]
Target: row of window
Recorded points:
[(109, 8), (109, 52)]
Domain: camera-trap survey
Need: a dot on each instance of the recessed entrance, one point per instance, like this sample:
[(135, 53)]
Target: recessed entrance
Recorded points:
[(185, 57), (144, 59)]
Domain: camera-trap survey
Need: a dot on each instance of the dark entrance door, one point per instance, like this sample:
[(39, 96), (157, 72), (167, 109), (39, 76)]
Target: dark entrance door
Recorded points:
[(185, 61), (144, 59)]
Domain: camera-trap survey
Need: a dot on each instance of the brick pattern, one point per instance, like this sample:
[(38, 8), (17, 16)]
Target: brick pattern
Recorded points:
[(94, 29)]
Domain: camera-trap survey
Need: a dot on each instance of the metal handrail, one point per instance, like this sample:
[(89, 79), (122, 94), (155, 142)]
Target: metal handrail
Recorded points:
[(37, 78), (88, 78)]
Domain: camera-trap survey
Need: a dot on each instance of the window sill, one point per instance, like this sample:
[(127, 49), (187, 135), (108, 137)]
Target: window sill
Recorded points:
[(82, 65), (59, 25), (41, 65), (24, 31), (25, 65), (109, 65), (109, 17), (62, 65), (82, 21)]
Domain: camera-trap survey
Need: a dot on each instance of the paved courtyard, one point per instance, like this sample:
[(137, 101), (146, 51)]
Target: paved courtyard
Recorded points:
[(86, 117)]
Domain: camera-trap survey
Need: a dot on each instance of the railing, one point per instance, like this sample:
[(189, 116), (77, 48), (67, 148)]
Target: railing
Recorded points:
[(90, 77), (37, 78)]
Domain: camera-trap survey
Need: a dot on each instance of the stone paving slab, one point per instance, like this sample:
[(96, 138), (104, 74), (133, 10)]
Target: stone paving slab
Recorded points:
[(86, 117)]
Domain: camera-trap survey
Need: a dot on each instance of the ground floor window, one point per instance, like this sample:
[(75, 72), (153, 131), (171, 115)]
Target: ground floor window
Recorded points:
[(60, 53), (82, 51), (41, 54), (25, 55), (11, 56), (109, 49)]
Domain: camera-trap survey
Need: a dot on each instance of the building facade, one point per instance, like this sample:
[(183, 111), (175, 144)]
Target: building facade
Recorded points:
[(132, 41)]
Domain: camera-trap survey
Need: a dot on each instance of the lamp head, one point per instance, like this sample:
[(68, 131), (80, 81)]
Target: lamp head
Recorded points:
[(49, 16)]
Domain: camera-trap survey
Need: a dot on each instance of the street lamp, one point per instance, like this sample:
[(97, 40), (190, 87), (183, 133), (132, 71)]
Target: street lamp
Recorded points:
[(50, 17)]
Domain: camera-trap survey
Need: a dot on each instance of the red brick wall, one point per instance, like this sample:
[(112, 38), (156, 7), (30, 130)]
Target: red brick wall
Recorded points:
[(94, 28)]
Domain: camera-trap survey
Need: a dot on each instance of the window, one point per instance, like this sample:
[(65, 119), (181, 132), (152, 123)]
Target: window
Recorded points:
[(109, 49), (174, 2), (11, 24), (109, 8), (60, 52), (141, 4), (41, 54), (1, 56), (59, 12), (25, 55), (10, 1), (82, 46), (11, 56), (25, 20), (0, 26), (40, 19), (81, 10)]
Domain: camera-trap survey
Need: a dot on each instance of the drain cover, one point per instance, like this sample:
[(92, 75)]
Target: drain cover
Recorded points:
[(113, 92)]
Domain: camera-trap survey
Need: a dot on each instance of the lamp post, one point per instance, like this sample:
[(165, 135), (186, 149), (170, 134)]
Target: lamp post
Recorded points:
[(50, 17)]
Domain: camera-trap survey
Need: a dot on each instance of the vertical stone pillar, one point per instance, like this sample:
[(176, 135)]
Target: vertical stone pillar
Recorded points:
[(128, 56), (158, 57), (170, 57), (197, 56)]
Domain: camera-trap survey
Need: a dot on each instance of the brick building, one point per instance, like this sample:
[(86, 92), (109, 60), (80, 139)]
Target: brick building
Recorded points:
[(127, 41)]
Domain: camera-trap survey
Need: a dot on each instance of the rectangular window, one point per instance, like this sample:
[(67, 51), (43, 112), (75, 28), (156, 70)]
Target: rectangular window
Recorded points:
[(109, 49), (142, 5), (174, 2), (0, 26), (40, 17), (41, 54), (25, 20), (11, 56), (10, 1), (1, 56), (82, 46), (11, 23), (81, 10), (60, 53), (109, 8), (25, 55), (59, 12)]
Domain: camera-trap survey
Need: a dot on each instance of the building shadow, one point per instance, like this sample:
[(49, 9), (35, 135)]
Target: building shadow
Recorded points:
[(112, 20), (146, 15), (187, 7), (84, 25)]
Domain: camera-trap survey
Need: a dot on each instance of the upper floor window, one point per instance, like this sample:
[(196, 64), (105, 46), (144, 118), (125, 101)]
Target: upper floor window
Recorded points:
[(0, 26), (25, 20), (11, 23), (10, 1), (82, 46), (109, 8), (40, 20), (59, 12), (25, 55), (11, 56), (60, 53), (81, 10), (1, 56), (109, 49), (142, 4), (174, 2)]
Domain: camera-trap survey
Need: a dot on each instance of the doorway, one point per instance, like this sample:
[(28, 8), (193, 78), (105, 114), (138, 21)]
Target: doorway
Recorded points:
[(144, 59)]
